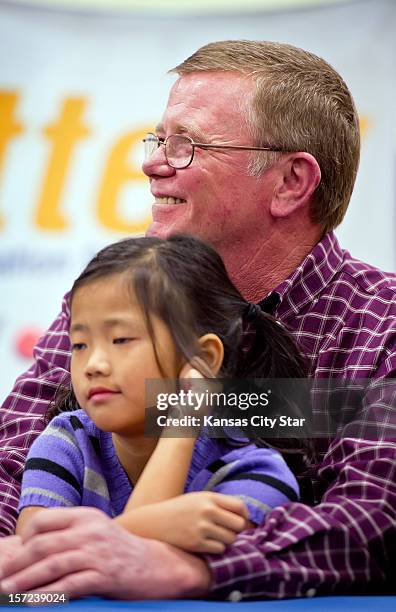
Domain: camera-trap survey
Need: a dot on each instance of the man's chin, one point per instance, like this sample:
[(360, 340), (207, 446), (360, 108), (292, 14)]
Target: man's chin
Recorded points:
[(159, 230)]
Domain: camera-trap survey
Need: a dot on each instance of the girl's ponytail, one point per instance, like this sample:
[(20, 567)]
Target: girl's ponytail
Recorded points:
[(271, 358), (269, 349)]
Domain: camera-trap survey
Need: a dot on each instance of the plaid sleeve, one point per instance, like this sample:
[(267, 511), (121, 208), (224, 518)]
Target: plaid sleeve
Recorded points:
[(21, 415), (346, 543)]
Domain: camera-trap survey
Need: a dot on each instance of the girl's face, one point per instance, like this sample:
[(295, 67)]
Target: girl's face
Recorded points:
[(113, 355)]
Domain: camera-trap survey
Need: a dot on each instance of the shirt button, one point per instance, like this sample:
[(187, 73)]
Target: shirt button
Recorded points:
[(235, 596), (310, 593)]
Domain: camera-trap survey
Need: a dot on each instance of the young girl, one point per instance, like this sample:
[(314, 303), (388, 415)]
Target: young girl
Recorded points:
[(146, 308)]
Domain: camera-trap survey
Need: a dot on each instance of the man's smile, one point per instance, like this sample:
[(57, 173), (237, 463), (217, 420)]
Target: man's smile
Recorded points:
[(169, 200)]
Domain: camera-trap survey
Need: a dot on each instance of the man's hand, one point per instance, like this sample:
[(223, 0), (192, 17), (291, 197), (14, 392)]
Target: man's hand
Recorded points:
[(202, 522), (80, 551), (10, 546)]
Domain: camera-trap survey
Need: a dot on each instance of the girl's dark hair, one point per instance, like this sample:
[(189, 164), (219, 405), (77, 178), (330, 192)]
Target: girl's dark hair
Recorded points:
[(183, 281)]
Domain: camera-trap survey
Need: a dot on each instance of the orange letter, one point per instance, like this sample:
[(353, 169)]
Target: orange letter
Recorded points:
[(9, 127), (116, 173), (64, 135), (364, 123)]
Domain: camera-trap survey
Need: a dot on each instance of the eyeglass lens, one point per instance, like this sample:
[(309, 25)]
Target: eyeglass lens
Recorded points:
[(178, 149), (151, 144)]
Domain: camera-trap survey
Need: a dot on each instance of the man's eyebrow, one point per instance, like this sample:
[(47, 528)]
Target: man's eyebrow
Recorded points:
[(180, 128)]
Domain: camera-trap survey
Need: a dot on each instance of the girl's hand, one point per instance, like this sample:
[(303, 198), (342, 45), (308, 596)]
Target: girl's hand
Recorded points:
[(202, 522), (191, 380), (188, 371), (186, 376), (191, 385)]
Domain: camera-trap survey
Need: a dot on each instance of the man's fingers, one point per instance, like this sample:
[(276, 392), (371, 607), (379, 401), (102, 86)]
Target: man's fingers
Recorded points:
[(44, 572), (54, 519), (37, 548), (9, 547), (79, 584)]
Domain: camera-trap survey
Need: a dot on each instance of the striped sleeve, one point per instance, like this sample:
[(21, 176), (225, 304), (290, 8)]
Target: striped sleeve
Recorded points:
[(258, 476), (54, 470)]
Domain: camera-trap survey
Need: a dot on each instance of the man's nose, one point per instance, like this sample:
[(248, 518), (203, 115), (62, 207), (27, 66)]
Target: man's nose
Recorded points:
[(156, 164), (98, 364)]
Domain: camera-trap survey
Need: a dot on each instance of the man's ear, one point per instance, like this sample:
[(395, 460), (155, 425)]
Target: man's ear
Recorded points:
[(299, 176), (212, 351)]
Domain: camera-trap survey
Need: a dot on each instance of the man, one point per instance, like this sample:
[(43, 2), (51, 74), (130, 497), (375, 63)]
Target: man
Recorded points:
[(264, 174)]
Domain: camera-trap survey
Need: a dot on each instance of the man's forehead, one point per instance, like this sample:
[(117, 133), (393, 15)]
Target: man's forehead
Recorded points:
[(196, 96), (203, 81)]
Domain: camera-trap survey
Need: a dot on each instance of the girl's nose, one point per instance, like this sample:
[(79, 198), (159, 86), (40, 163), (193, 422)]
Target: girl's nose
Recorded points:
[(98, 365)]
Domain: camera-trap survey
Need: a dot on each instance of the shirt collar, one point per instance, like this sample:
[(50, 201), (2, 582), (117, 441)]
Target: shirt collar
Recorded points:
[(308, 279)]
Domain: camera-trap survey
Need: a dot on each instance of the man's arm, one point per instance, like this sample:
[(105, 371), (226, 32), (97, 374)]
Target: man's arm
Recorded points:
[(84, 552), (346, 543), (22, 412), (343, 545)]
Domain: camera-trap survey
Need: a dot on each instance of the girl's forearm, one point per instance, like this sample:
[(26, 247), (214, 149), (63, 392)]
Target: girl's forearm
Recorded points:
[(140, 521), (165, 473)]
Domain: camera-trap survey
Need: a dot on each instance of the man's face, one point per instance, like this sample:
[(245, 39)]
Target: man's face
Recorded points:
[(214, 198)]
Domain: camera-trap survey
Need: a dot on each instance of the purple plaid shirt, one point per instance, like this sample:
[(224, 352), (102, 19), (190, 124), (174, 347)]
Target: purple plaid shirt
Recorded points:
[(343, 313)]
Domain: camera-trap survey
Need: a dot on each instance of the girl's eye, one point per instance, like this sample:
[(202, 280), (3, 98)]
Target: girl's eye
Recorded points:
[(78, 346), (122, 340)]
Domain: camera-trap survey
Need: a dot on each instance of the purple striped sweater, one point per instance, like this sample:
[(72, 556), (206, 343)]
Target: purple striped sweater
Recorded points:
[(73, 463)]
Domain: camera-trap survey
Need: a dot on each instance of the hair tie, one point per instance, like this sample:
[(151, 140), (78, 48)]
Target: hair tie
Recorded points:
[(251, 311)]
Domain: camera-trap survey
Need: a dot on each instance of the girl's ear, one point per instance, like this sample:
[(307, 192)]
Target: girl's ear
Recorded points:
[(212, 351)]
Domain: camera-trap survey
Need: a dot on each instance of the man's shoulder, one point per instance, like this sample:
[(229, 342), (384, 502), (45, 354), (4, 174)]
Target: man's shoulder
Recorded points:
[(330, 281), (363, 298), (363, 288), (367, 278)]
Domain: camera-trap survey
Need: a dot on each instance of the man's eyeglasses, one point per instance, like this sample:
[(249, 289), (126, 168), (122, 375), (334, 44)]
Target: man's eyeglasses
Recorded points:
[(179, 150)]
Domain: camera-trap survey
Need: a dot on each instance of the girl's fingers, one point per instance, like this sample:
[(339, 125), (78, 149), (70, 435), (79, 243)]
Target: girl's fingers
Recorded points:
[(220, 534), (232, 504), (212, 547), (230, 521), (188, 371)]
